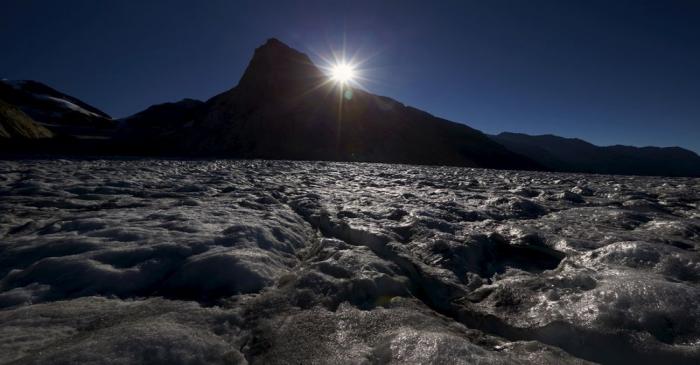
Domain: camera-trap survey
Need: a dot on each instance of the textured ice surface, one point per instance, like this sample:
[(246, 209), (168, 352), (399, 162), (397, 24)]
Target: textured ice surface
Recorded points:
[(164, 261)]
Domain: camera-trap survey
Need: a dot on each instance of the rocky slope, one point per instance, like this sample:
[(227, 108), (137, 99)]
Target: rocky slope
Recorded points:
[(164, 261), (16, 125)]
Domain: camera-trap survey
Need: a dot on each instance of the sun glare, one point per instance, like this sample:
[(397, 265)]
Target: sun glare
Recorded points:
[(342, 73)]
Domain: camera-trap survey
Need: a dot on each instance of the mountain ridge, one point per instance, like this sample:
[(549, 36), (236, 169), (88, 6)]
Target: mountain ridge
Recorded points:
[(285, 107), (61, 113), (576, 155)]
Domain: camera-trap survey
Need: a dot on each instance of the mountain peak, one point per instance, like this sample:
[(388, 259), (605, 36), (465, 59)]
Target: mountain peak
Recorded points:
[(277, 69), (274, 42), (276, 53)]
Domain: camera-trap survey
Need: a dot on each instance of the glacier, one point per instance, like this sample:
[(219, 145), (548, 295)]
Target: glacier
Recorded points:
[(249, 261)]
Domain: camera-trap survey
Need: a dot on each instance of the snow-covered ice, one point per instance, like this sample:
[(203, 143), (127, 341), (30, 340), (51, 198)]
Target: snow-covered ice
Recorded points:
[(166, 261)]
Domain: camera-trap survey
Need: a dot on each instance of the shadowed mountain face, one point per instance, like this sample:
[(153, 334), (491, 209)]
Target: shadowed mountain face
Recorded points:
[(158, 122), (285, 108), (575, 155)]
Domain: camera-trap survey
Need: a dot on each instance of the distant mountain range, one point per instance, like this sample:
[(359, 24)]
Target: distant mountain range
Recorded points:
[(284, 108), (575, 155)]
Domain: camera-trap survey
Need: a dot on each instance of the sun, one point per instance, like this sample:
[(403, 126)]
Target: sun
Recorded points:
[(342, 73)]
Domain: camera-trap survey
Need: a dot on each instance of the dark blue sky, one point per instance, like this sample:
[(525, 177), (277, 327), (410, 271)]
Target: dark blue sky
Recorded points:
[(609, 72)]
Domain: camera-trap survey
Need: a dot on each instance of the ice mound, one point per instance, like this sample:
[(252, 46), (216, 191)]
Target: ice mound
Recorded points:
[(163, 261), (95, 330), (225, 273)]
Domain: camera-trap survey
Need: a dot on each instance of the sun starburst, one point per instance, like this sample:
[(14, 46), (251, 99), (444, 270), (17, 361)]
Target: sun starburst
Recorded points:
[(343, 73)]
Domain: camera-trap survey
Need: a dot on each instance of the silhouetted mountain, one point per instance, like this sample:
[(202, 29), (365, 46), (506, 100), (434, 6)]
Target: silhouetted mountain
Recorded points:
[(284, 107), (15, 124), (575, 155), (61, 113), (157, 123)]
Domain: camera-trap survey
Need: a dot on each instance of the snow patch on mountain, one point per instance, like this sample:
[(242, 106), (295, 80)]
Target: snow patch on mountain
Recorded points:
[(65, 104)]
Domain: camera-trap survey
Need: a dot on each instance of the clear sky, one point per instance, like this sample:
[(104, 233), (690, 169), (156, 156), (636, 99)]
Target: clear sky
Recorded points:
[(611, 71)]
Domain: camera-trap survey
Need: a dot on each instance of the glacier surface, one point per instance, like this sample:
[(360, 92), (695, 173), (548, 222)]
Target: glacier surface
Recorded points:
[(188, 262)]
